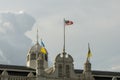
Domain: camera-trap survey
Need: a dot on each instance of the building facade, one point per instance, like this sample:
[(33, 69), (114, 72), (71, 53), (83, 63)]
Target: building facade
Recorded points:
[(63, 69)]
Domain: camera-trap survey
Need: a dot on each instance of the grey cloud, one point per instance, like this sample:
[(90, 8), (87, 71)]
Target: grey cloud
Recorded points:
[(14, 44)]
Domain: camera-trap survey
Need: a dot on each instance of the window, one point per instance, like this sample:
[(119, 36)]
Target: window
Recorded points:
[(33, 56), (67, 71), (60, 70)]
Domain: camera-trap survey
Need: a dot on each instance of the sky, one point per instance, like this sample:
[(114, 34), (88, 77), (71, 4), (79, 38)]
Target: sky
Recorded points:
[(95, 22)]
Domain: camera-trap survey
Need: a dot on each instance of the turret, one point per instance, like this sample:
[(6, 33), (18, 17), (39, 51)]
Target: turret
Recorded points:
[(87, 73), (40, 66), (87, 66), (64, 66), (33, 54), (40, 70)]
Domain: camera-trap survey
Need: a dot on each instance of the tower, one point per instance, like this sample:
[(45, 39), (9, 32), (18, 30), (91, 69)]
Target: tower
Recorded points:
[(34, 53), (64, 67), (87, 66), (87, 73), (40, 68)]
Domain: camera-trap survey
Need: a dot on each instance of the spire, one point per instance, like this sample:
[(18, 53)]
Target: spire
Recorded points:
[(37, 45), (87, 72), (37, 35), (87, 65)]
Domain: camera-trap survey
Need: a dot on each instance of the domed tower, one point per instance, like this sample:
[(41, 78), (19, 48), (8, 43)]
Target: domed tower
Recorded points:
[(64, 67), (33, 54)]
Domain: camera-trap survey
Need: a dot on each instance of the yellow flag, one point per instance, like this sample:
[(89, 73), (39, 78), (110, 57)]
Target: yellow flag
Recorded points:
[(89, 52), (43, 50)]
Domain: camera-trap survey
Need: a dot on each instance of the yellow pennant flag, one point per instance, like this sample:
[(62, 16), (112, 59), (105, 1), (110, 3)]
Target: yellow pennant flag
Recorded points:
[(43, 50), (89, 52)]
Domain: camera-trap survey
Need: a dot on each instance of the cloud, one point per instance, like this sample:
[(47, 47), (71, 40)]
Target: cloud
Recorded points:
[(14, 43)]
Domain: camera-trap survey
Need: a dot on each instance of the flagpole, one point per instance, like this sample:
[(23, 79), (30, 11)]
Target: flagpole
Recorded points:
[(64, 36), (89, 52), (37, 36), (66, 22), (64, 49)]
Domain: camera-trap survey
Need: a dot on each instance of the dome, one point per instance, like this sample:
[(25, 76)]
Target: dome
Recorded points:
[(35, 48), (68, 58), (58, 57)]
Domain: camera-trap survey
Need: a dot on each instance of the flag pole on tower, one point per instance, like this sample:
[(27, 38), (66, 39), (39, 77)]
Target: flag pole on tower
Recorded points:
[(66, 22), (64, 36)]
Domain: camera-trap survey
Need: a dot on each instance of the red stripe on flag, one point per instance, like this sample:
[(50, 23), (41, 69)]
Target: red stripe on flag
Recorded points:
[(67, 22)]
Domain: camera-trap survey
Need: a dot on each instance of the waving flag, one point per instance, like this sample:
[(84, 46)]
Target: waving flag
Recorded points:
[(68, 22), (89, 52), (43, 50), (43, 45)]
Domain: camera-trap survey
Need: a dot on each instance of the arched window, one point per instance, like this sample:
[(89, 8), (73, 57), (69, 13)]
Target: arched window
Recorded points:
[(60, 70), (67, 71), (33, 56)]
